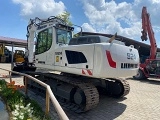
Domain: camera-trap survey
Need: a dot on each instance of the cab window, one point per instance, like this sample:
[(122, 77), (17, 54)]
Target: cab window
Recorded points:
[(63, 36), (44, 41)]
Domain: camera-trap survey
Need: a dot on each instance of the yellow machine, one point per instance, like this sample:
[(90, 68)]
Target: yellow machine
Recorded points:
[(2, 46), (2, 55), (19, 56)]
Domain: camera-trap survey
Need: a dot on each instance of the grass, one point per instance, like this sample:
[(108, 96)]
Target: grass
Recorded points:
[(20, 107)]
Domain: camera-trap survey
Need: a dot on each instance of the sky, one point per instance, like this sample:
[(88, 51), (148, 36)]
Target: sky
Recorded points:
[(102, 16)]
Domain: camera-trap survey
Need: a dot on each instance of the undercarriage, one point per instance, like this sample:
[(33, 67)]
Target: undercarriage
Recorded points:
[(79, 93)]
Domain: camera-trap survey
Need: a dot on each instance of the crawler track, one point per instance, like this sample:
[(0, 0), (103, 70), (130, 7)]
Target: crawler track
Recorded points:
[(120, 84), (126, 88), (90, 91), (92, 99), (114, 87)]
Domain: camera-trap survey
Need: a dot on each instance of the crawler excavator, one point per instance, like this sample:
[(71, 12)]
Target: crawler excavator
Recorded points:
[(85, 63), (151, 66)]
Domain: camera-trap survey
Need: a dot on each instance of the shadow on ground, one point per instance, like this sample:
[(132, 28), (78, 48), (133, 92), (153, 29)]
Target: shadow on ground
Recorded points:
[(107, 109)]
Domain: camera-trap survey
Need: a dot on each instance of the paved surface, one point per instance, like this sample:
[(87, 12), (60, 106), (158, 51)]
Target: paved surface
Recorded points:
[(142, 103)]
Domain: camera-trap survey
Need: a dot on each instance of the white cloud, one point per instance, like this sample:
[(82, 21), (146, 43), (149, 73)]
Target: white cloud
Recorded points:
[(123, 18), (86, 27), (40, 8)]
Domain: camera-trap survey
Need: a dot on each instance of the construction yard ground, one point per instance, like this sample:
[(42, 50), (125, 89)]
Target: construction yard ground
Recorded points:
[(142, 103)]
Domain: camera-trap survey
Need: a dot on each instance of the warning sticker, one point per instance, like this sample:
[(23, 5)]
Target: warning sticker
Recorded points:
[(57, 58)]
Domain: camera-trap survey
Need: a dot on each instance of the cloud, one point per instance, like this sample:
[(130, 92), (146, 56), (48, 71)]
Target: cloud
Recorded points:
[(123, 17), (86, 27), (40, 8)]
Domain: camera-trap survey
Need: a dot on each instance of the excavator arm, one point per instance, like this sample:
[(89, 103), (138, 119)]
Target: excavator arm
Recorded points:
[(31, 28), (147, 30)]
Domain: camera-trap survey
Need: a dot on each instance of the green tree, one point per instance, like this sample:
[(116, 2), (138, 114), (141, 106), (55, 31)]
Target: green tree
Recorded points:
[(66, 17)]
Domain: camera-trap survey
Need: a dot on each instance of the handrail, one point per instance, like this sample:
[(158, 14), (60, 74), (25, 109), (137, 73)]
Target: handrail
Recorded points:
[(49, 94)]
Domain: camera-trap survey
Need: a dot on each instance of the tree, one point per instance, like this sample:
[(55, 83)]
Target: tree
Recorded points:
[(66, 17)]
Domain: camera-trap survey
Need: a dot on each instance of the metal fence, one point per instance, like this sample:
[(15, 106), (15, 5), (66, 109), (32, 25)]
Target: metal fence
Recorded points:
[(49, 94)]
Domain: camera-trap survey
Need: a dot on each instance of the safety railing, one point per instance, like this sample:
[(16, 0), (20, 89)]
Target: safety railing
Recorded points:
[(49, 94)]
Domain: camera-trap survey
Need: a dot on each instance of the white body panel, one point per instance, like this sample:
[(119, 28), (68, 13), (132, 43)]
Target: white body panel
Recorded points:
[(97, 60)]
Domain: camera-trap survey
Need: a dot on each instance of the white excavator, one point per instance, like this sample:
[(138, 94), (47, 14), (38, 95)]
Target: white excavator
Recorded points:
[(87, 64)]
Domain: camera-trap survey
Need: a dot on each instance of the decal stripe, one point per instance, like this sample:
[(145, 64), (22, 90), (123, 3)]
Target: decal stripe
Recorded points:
[(89, 72), (83, 72), (110, 60), (86, 72)]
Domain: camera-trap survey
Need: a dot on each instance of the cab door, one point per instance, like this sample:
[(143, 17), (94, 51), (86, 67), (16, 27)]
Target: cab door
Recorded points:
[(43, 44)]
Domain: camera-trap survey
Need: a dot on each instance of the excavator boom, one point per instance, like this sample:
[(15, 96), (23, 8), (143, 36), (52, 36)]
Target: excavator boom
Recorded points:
[(150, 68), (147, 30)]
